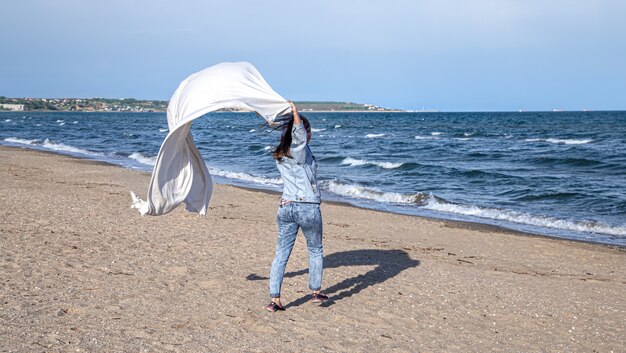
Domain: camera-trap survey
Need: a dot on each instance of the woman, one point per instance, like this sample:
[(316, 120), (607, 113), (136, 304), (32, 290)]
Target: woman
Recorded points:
[(299, 207)]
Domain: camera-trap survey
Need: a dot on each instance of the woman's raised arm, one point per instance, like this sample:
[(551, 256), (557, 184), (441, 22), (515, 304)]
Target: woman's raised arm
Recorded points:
[(296, 116)]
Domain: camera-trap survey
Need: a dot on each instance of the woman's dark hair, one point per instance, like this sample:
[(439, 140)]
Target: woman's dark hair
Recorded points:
[(282, 150)]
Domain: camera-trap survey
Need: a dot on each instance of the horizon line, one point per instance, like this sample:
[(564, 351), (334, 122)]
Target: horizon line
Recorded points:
[(398, 110)]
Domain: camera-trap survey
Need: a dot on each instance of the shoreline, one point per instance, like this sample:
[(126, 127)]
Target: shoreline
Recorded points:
[(448, 222), (481, 227)]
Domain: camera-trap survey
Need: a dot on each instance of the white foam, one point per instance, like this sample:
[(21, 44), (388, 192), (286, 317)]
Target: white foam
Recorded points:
[(253, 130), (256, 179), (562, 141), (373, 136), (419, 137), (65, 148), (163, 130), (59, 121), (338, 126), (435, 133), (143, 159), (74, 122), (7, 121), (359, 162), (362, 192), (20, 141), (267, 148), (467, 134), (61, 124), (570, 141), (523, 218), (462, 138), (317, 130), (51, 146)]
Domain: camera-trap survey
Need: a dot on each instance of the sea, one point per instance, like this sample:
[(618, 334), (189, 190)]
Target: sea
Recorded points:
[(557, 174)]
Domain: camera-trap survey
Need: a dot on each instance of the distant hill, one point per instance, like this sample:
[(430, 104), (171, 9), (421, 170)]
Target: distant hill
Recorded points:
[(339, 106), (83, 104), (137, 105)]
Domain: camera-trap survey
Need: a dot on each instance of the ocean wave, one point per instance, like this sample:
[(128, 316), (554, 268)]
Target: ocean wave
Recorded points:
[(256, 179), (338, 126), (66, 148), (373, 136), (20, 141), (359, 162), (47, 144), (330, 159), (436, 204), (566, 161), (435, 133), (420, 137), (163, 130), (7, 120), (547, 196), (317, 130), (142, 158), (362, 192), (562, 141)]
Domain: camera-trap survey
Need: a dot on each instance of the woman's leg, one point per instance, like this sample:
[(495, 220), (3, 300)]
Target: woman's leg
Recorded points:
[(309, 217), (287, 232)]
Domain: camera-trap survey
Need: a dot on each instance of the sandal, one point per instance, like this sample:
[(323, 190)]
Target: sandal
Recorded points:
[(319, 297), (273, 307)]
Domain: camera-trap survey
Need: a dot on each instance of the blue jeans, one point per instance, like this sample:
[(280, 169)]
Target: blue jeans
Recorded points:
[(290, 218)]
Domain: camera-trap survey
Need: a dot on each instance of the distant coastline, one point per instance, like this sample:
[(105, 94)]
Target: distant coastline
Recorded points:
[(142, 106)]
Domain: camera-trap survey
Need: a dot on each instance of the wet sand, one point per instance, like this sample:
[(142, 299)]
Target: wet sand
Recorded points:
[(81, 271)]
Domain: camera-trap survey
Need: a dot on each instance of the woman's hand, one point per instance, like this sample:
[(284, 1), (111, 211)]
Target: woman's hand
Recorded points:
[(296, 116)]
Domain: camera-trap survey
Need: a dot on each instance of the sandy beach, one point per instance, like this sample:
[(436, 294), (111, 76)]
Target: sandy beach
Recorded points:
[(81, 271)]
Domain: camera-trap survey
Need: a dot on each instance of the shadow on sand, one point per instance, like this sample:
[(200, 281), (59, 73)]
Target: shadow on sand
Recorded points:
[(389, 263)]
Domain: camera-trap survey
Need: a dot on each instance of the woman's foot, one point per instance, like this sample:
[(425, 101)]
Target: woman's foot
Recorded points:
[(274, 306), (319, 297)]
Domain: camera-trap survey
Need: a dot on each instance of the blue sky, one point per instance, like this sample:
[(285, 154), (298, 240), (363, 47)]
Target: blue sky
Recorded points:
[(448, 55)]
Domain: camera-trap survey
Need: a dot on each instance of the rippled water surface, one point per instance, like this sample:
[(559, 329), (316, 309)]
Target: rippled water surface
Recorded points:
[(559, 174)]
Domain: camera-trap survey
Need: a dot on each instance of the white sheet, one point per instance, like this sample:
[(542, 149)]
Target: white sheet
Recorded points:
[(180, 174)]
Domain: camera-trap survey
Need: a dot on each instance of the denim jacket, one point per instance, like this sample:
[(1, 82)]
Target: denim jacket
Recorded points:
[(299, 173)]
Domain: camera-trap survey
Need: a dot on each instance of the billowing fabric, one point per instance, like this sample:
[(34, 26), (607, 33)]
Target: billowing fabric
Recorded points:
[(180, 174)]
